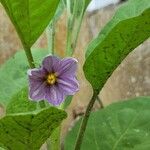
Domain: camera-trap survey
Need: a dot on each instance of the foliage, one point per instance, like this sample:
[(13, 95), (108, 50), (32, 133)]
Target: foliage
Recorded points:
[(30, 18), (13, 74), (29, 130), (128, 28), (20, 103), (120, 126), (28, 124)]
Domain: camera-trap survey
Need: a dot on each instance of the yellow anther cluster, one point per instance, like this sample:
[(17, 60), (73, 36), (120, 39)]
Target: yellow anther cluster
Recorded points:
[(51, 78)]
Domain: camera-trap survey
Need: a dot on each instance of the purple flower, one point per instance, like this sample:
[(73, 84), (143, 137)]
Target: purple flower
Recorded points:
[(54, 80)]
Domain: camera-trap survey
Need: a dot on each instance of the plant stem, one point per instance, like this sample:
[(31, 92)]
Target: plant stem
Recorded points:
[(70, 26), (51, 37), (73, 26), (54, 140), (84, 121), (29, 57), (100, 102), (69, 48), (79, 23)]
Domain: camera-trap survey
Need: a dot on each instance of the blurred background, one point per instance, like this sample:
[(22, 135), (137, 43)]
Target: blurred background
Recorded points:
[(130, 79)]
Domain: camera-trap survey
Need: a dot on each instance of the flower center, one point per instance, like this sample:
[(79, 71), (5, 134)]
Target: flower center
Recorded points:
[(51, 78)]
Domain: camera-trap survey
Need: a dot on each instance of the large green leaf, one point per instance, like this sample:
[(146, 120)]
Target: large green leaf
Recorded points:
[(28, 131), (120, 126), (128, 28), (30, 17), (13, 74), (20, 103)]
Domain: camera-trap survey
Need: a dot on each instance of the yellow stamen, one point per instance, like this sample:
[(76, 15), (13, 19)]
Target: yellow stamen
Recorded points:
[(51, 78)]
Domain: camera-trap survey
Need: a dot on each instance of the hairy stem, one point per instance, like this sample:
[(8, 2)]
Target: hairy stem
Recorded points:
[(74, 25), (69, 41), (70, 27), (29, 57), (79, 20), (51, 37), (84, 121)]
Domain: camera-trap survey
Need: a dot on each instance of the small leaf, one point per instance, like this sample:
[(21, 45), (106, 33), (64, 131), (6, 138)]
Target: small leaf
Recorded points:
[(13, 74), (30, 17), (120, 126), (128, 28), (29, 130)]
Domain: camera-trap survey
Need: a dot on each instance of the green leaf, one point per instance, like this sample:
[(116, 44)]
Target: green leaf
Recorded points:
[(13, 74), (20, 103), (128, 28), (25, 131), (120, 126), (30, 17)]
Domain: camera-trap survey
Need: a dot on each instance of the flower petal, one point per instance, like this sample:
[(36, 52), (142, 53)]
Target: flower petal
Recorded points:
[(37, 73), (37, 90), (68, 66), (55, 95), (69, 85), (51, 63), (34, 84)]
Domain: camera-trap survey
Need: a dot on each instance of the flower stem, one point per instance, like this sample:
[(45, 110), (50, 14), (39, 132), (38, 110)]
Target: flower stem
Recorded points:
[(84, 121), (29, 57)]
